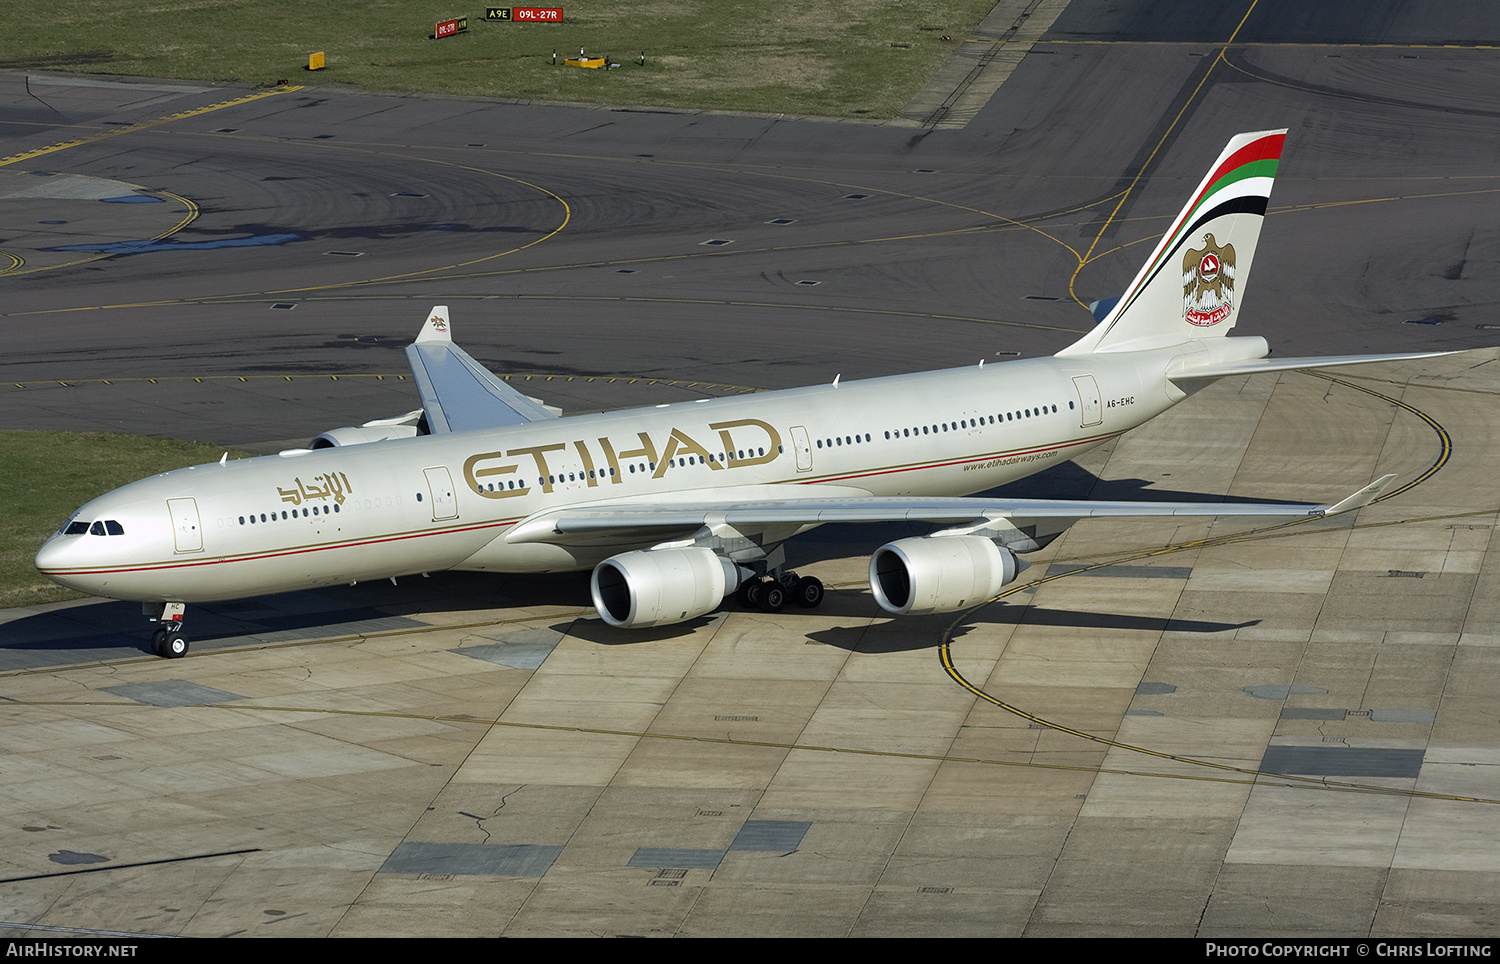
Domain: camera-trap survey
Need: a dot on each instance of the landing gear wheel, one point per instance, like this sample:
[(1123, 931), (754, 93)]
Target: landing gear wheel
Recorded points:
[(749, 594), (772, 598), (167, 640), (809, 592)]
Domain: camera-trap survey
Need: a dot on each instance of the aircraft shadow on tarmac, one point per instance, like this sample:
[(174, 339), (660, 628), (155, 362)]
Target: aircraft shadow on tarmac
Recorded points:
[(928, 632), (1072, 481), (115, 630)]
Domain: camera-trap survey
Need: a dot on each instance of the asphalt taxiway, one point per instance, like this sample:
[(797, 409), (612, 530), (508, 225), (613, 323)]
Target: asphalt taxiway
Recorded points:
[(1174, 728)]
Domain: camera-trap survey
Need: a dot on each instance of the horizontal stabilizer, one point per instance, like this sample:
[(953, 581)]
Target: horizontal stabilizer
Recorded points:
[(458, 393), (1185, 369)]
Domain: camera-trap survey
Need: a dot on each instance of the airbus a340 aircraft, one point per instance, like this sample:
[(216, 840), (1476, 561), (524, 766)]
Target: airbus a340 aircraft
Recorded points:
[(675, 507)]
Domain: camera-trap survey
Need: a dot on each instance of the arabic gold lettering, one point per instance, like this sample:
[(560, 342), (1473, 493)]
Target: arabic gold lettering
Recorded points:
[(336, 486)]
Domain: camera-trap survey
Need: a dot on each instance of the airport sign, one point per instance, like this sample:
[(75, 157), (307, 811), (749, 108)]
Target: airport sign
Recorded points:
[(525, 14)]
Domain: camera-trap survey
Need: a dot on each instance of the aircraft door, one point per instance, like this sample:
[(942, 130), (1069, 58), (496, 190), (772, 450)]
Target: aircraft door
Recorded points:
[(187, 534), (804, 448), (440, 488), (1088, 397)]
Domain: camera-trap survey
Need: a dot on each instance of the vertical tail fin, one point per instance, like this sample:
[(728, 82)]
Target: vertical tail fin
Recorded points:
[(1191, 286)]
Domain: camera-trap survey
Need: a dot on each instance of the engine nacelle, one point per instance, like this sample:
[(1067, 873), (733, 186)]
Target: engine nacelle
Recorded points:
[(658, 587), (359, 436), (376, 430), (941, 574)]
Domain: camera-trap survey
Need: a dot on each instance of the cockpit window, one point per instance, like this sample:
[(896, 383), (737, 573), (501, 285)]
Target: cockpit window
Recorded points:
[(100, 527)]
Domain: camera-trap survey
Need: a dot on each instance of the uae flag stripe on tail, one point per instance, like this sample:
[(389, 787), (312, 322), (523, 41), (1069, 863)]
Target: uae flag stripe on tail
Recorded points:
[(1240, 184)]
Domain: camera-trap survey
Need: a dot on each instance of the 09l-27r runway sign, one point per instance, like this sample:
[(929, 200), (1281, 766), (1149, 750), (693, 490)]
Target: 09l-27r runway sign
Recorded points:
[(525, 14)]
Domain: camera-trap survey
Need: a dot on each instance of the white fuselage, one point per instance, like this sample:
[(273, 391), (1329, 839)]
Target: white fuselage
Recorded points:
[(316, 518)]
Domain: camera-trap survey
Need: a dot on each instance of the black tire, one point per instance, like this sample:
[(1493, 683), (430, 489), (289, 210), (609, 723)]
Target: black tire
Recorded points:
[(175, 646), (159, 642), (809, 592), (749, 593), (772, 598)]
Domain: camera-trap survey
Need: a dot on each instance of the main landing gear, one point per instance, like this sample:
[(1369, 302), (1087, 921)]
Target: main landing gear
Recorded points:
[(770, 593), (168, 641)]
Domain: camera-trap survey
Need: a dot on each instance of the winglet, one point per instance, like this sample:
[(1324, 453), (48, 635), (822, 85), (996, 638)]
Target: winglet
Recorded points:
[(436, 329), (1361, 498)]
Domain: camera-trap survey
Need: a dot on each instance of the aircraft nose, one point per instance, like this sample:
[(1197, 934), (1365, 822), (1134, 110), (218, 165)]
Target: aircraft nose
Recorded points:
[(50, 555), (55, 557)]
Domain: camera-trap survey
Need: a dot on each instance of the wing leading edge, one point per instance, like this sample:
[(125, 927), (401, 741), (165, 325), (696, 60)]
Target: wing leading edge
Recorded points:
[(588, 522), (458, 393)]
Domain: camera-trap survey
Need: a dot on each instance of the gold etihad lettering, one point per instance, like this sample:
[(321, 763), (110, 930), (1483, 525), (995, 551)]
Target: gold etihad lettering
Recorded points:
[(678, 442), (491, 465), (647, 450), (538, 454), (588, 462), (773, 441)]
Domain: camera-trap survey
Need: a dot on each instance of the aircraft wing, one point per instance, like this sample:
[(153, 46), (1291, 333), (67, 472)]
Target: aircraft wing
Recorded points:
[(458, 393), (602, 519)]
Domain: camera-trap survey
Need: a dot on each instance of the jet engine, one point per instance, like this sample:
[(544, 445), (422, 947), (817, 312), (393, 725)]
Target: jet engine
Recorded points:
[(376, 430), (939, 574), (657, 587)]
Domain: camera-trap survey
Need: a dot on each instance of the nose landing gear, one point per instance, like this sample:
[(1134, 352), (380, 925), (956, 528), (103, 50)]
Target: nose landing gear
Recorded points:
[(168, 641)]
